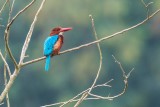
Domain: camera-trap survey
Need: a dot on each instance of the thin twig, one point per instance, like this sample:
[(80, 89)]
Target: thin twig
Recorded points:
[(72, 100), (5, 77), (94, 42), (124, 76), (10, 12), (9, 4), (7, 66), (3, 7), (5, 80), (100, 85), (100, 64), (6, 35), (29, 35), (20, 12), (94, 96), (75, 100), (146, 6), (16, 71)]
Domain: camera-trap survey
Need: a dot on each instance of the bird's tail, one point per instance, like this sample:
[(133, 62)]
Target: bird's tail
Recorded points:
[(48, 58)]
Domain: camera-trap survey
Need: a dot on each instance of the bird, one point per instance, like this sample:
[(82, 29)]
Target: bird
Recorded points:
[(53, 44)]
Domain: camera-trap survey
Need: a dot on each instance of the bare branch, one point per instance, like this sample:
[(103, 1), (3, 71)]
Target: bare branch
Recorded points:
[(94, 96), (73, 99), (6, 35), (7, 66), (17, 69), (9, 84), (146, 6), (5, 77), (125, 78), (20, 12), (3, 7), (100, 64), (94, 42), (7, 96), (11, 9), (27, 41)]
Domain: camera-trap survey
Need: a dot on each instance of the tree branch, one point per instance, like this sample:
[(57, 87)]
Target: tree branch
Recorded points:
[(17, 69), (6, 35), (73, 99), (5, 73), (5, 63), (94, 42), (100, 64), (94, 96), (146, 6), (3, 7), (29, 35)]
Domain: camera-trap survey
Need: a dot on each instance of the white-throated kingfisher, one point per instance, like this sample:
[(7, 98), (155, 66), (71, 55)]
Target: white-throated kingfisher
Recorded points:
[(53, 44)]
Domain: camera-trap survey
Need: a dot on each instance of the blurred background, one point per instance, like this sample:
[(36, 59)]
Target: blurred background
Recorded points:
[(75, 71)]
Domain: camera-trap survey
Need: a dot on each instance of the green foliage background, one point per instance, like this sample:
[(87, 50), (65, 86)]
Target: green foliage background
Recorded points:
[(73, 72)]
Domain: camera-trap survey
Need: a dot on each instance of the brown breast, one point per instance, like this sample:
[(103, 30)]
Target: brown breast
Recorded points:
[(58, 45)]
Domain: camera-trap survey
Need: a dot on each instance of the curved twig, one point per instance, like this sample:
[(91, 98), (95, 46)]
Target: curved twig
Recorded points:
[(100, 65), (3, 7), (73, 99), (6, 34), (6, 64), (17, 69), (28, 37)]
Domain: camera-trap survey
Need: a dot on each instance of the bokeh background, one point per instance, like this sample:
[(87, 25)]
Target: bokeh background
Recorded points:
[(74, 72)]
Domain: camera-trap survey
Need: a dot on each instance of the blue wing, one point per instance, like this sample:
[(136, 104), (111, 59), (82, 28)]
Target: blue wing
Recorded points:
[(49, 44)]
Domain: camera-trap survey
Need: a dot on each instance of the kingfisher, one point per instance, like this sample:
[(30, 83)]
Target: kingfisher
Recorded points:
[(53, 44)]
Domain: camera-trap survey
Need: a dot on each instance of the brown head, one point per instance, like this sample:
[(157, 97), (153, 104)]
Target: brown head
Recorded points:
[(59, 30)]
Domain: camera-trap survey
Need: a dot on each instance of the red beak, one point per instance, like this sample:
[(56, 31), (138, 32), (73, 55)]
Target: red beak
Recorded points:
[(65, 29)]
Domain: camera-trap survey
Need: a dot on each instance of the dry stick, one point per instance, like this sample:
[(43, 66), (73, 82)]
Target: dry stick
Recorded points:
[(20, 12), (73, 99), (112, 97), (3, 7), (16, 71), (5, 63), (6, 66), (29, 35), (5, 83), (100, 64), (91, 43), (124, 76), (9, 84), (6, 34), (66, 102), (97, 97), (11, 9), (146, 6), (5, 77)]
